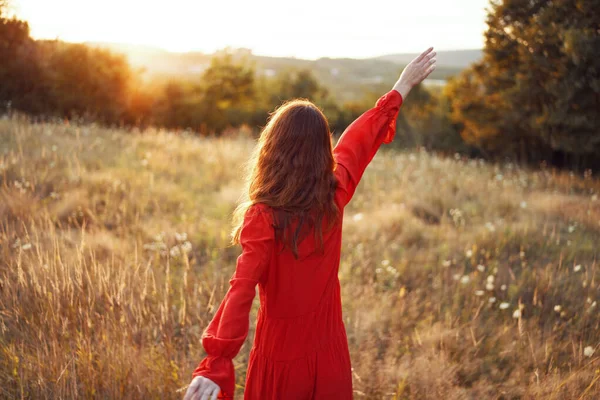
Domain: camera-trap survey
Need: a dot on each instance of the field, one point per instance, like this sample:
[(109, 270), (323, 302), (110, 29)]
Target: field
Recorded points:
[(461, 279)]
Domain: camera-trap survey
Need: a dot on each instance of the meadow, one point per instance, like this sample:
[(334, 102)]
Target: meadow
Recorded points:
[(461, 279)]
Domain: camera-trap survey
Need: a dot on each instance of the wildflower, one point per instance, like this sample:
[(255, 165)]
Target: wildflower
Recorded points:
[(144, 162), (378, 270), (517, 313), (491, 278), (492, 299), (456, 277), (523, 204), (181, 237), (469, 253), (186, 247), (571, 228), (577, 268), (557, 308), (504, 305), (490, 227), (522, 254), (357, 217), (499, 177), (588, 351), (465, 279), (26, 246), (446, 263), (595, 197), (479, 293), (489, 286), (385, 263), (503, 287), (481, 267), (175, 251)]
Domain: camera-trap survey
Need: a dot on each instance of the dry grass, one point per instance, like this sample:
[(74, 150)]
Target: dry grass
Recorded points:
[(102, 295)]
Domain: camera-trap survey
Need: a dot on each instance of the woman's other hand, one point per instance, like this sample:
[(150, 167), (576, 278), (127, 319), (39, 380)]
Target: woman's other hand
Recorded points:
[(202, 388), (414, 73)]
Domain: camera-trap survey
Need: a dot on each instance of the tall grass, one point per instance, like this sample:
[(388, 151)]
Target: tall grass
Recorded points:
[(460, 279)]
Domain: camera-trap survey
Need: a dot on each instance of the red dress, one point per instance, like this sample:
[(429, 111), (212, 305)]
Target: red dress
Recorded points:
[(300, 348)]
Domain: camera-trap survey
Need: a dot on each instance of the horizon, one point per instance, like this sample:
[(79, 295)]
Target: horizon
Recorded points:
[(264, 27)]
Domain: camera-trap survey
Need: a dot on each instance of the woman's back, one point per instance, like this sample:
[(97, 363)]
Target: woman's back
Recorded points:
[(300, 348)]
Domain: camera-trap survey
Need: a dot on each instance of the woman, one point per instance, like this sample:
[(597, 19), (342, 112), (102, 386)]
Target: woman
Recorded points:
[(290, 231)]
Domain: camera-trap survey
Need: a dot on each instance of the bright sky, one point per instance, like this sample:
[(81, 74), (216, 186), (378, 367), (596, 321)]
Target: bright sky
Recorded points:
[(301, 28)]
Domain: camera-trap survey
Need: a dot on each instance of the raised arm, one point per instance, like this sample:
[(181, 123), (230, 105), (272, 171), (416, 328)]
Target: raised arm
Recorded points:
[(228, 329), (360, 141)]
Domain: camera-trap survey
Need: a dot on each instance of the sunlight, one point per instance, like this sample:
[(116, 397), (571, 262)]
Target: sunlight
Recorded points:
[(310, 30)]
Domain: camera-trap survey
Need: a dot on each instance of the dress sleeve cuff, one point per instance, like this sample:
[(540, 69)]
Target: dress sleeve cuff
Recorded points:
[(219, 370), (390, 104)]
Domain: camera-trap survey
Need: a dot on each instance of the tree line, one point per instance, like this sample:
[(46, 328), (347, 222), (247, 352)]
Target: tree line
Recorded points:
[(534, 97)]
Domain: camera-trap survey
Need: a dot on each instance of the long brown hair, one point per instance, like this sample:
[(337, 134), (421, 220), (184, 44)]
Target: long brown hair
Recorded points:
[(291, 171)]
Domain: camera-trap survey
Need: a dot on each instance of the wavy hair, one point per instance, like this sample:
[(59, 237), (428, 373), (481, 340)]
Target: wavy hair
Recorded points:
[(291, 171)]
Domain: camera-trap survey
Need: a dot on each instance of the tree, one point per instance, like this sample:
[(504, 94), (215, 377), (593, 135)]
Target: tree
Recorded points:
[(536, 93)]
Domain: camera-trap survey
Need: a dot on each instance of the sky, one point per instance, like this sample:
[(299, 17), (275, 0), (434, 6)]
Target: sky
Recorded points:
[(301, 28)]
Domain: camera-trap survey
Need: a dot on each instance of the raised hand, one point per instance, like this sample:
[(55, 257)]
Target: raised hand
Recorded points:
[(202, 388), (417, 70)]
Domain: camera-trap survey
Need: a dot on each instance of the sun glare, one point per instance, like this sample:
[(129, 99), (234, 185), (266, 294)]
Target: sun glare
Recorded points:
[(313, 29)]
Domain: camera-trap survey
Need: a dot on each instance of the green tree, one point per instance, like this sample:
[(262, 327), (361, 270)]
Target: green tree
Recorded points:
[(536, 93)]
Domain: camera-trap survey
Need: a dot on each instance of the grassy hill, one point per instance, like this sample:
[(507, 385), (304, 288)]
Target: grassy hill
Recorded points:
[(460, 279), (447, 59), (346, 78)]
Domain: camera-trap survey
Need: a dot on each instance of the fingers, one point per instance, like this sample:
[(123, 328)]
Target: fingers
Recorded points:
[(423, 54), (192, 389), (428, 71), (215, 393)]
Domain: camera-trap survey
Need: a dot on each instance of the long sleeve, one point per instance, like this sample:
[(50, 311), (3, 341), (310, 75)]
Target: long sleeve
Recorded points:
[(360, 141), (228, 329)]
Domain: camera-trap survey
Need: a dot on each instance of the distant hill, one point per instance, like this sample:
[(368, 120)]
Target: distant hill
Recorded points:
[(447, 58), (346, 78)]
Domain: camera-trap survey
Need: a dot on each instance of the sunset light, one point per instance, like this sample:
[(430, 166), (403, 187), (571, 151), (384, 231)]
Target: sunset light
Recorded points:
[(307, 29)]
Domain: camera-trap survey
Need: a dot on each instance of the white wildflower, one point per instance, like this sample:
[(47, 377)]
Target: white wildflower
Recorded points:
[(479, 293), (175, 251), (571, 228), (378, 270), (491, 278), (577, 268), (447, 263), (26, 246), (523, 204), (481, 267), (181, 237), (517, 313), (385, 263), (492, 299), (186, 247), (588, 351), (489, 286), (469, 253), (456, 277), (557, 308), (490, 227), (357, 217), (504, 305), (465, 279), (503, 287), (595, 197)]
